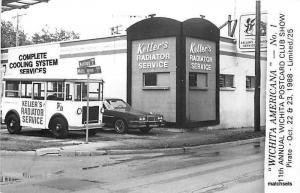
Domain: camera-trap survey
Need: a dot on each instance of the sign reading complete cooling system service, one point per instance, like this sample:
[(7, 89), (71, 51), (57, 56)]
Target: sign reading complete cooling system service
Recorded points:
[(39, 61)]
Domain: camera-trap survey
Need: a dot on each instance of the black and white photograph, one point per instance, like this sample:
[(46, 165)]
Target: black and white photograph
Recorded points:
[(149, 96)]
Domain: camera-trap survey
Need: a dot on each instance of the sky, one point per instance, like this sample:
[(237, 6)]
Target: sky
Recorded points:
[(94, 18)]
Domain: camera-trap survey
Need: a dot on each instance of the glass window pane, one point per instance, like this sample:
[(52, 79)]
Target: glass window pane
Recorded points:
[(192, 79), (150, 79), (69, 92), (202, 80), (250, 81), (221, 80), (226, 80), (253, 82), (77, 92), (26, 89), (38, 91), (12, 89)]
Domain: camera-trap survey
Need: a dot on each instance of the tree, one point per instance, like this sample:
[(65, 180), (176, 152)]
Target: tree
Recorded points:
[(58, 35), (8, 35)]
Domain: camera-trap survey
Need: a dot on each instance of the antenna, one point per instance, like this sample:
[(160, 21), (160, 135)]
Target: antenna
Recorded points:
[(151, 15), (115, 30)]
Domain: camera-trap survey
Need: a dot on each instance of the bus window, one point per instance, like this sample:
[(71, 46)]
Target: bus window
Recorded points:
[(94, 92), (69, 92), (26, 89), (39, 91), (55, 91), (12, 89), (77, 92)]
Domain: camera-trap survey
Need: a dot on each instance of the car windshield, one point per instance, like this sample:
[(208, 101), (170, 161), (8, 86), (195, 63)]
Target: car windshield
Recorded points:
[(117, 104)]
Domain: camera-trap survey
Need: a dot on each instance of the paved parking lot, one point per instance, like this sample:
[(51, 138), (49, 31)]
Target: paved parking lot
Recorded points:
[(30, 139)]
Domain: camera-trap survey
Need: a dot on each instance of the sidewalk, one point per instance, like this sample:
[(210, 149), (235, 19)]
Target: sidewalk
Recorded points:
[(108, 142)]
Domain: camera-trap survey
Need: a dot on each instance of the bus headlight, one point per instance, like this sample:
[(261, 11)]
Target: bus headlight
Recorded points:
[(79, 111)]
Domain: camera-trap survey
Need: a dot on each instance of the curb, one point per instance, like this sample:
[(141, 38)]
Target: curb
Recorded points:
[(60, 152)]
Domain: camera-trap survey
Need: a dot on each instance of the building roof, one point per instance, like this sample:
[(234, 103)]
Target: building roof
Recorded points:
[(8, 5)]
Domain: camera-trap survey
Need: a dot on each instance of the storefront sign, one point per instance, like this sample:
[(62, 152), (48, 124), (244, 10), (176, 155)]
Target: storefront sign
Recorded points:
[(32, 63), (247, 32), (153, 53), (200, 54), (37, 61)]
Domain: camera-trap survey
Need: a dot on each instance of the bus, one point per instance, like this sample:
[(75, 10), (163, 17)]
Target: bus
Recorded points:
[(56, 104)]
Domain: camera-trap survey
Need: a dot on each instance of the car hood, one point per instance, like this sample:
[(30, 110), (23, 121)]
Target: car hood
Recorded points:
[(135, 112)]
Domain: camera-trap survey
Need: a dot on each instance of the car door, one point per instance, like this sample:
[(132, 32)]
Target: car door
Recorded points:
[(108, 115)]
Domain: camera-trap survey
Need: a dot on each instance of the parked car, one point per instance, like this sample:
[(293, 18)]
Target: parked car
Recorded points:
[(121, 116)]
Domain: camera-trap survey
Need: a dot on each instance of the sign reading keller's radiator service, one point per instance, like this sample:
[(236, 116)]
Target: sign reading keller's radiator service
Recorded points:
[(200, 55), (154, 54)]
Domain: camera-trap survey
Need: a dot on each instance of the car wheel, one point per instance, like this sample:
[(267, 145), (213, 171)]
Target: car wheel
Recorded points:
[(92, 132), (59, 128), (145, 129), (13, 124), (120, 126)]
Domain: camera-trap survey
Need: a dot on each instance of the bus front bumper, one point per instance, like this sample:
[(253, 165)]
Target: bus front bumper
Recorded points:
[(83, 127)]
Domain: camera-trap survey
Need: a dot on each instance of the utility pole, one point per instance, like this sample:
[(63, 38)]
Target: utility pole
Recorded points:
[(17, 27), (257, 69)]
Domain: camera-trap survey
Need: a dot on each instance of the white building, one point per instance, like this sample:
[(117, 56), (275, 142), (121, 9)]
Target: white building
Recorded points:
[(236, 72)]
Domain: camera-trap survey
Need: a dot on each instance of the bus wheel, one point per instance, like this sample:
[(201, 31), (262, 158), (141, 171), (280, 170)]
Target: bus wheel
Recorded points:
[(59, 128), (13, 124), (120, 126)]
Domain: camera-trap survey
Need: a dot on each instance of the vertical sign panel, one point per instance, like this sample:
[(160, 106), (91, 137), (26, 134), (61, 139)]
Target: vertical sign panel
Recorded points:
[(201, 79), (154, 75)]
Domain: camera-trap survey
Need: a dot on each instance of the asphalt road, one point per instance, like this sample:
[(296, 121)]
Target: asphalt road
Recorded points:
[(217, 169)]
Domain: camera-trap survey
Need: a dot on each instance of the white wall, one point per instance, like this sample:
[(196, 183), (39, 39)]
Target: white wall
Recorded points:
[(237, 105)]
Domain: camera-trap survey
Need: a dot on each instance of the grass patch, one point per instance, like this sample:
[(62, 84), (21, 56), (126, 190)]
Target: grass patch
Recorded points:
[(11, 144)]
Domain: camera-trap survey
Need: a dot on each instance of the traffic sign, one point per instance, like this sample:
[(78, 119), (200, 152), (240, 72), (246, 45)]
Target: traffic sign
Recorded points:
[(89, 70), (87, 62), (81, 71), (94, 70)]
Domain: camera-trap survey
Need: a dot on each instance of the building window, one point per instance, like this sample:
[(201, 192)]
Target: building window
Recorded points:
[(12, 89), (150, 79), (198, 80), (226, 81), (250, 81), (156, 81)]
